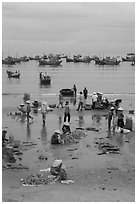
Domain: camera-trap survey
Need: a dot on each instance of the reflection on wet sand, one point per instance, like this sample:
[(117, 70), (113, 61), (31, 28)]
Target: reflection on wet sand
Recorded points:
[(28, 134), (44, 134)]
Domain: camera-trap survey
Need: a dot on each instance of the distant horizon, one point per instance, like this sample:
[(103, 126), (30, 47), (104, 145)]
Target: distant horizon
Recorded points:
[(90, 28)]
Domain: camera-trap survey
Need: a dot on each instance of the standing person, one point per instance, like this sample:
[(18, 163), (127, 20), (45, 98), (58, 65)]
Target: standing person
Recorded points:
[(67, 112), (80, 105), (75, 90), (94, 100), (28, 110), (114, 123), (60, 101), (44, 111), (120, 122), (85, 93), (110, 115)]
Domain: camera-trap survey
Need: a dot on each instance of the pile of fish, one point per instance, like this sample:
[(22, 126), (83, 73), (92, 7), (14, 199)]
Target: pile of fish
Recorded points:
[(106, 148), (73, 137), (34, 180)]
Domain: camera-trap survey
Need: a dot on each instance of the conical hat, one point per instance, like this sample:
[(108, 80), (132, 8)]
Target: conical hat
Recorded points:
[(56, 163)]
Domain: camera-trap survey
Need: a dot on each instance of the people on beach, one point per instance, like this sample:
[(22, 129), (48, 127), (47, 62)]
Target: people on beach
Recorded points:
[(94, 100), (66, 128), (28, 110), (120, 122), (22, 109), (85, 94), (44, 111), (80, 105), (60, 101), (4, 132), (67, 112), (58, 169), (56, 139), (110, 115), (26, 97), (75, 90)]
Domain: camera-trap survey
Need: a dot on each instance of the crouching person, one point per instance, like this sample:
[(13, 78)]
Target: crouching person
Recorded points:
[(66, 128), (58, 169), (56, 139)]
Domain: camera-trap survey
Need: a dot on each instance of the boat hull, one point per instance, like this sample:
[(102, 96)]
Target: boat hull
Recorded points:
[(67, 92), (45, 81), (57, 63)]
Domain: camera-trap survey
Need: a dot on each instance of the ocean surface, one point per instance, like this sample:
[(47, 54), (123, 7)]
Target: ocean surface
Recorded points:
[(113, 81)]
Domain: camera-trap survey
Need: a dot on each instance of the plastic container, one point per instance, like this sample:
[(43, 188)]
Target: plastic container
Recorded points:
[(129, 123)]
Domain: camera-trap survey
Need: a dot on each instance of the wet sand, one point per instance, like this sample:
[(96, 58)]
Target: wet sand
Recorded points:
[(97, 178)]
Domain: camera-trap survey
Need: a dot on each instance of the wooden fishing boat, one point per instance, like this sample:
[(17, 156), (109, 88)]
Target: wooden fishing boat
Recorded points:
[(67, 92), (13, 74), (45, 79), (50, 62)]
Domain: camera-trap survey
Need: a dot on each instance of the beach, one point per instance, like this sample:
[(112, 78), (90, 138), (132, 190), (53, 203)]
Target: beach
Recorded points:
[(97, 178)]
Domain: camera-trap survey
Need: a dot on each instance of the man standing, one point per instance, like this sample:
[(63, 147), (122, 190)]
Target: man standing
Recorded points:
[(85, 93), (75, 90), (110, 115), (28, 110), (60, 100), (94, 100), (80, 105), (120, 122), (44, 111), (67, 112)]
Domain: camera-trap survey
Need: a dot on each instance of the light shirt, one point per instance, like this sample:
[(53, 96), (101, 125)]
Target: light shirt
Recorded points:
[(81, 98), (94, 98)]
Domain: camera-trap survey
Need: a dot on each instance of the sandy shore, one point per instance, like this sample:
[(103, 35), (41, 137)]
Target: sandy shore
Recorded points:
[(97, 178)]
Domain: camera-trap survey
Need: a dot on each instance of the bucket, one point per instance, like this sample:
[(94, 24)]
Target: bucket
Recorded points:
[(129, 123)]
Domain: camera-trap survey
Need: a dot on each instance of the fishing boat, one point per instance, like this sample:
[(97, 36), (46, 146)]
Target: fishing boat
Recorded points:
[(8, 61), (45, 79), (107, 61), (130, 57), (24, 59), (68, 59), (67, 92), (53, 62), (13, 74)]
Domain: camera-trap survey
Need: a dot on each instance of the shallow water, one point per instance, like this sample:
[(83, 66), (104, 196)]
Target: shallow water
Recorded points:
[(113, 81)]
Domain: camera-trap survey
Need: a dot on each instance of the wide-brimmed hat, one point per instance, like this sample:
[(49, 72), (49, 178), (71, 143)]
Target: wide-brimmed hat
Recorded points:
[(67, 102), (28, 102), (112, 108), (56, 163), (57, 131), (66, 123), (21, 104), (94, 93), (4, 130), (120, 109)]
